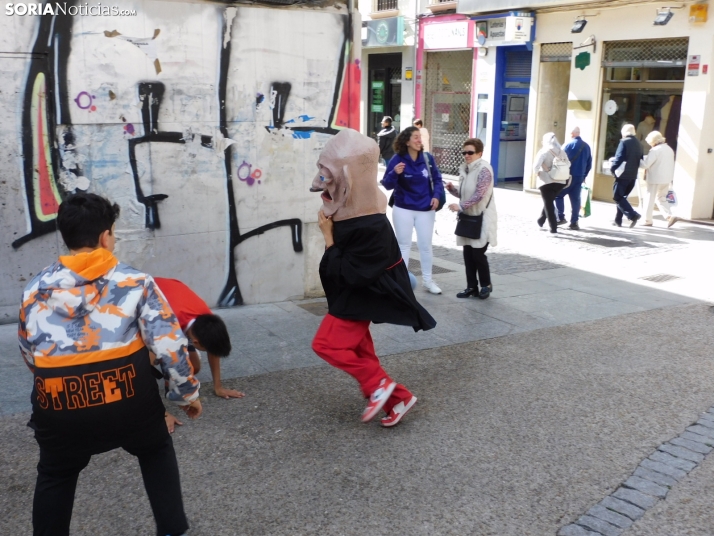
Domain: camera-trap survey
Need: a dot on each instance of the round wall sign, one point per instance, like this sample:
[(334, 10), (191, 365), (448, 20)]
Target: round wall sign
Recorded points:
[(610, 107), (382, 33)]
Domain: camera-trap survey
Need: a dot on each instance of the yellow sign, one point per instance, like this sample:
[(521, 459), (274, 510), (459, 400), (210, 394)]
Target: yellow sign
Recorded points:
[(698, 12)]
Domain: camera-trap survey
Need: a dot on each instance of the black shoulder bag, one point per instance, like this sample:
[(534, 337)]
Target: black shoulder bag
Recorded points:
[(470, 226)]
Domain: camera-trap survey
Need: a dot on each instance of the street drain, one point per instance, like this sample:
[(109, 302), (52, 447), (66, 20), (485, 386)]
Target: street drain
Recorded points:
[(660, 278)]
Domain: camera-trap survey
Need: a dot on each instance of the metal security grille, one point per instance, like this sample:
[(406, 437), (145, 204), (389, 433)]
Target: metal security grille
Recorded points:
[(646, 53), (556, 52), (384, 5), (518, 64), (447, 107)]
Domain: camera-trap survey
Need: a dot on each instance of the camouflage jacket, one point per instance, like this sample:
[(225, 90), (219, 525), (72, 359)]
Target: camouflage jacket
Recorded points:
[(85, 324)]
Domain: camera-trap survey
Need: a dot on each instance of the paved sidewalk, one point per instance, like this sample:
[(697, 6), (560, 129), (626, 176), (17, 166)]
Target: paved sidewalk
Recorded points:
[(512, 436)]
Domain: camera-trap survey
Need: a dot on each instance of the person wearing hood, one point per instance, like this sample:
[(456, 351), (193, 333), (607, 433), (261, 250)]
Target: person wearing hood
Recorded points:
[(87, 324), (547, 183), (386, 138), (362, 272)]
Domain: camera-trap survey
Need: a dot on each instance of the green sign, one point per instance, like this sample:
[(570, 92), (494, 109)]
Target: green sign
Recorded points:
[(582, 60), (377, 104)]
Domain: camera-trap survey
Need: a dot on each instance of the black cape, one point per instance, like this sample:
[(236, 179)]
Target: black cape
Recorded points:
[(364, 279)]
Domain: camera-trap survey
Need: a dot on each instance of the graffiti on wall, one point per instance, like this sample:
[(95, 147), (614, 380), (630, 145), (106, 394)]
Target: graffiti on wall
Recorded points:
[(53, 166)]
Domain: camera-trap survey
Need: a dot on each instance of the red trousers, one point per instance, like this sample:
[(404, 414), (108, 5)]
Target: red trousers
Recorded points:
[(347, 345)]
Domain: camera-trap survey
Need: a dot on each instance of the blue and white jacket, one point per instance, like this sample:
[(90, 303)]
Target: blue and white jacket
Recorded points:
[(412, 189)]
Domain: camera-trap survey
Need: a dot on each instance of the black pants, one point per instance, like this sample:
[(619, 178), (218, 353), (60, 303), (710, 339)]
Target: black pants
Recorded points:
[(620, 190), (548, 193), (57, 475), (476, 264)]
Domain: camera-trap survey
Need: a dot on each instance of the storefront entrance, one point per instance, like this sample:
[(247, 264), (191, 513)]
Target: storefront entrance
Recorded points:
[(643, 86), (448, 105), (385, 91), (513, 78)]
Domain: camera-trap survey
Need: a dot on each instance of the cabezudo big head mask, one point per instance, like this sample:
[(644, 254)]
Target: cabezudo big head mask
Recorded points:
[(347, 177)]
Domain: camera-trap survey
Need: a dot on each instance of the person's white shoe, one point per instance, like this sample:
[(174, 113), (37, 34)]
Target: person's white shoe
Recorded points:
[(432, 287)]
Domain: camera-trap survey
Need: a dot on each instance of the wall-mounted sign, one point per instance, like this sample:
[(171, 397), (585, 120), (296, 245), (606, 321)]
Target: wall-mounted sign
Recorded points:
[(510, 30), (448, 35), (610, 107), (408, 73), (377, 100), (693, 65), (518, 29), (698, 13), (387, 32), (582, 60)]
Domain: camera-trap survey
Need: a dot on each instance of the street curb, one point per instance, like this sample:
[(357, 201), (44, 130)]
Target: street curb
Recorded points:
[(651, 481)]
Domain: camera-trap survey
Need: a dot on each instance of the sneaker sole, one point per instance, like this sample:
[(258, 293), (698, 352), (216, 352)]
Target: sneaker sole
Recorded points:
[(409, 406), (366, 417)]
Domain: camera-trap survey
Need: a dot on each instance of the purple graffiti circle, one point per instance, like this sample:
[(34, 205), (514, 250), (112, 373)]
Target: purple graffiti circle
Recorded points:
[(82, 98), (244, 171)]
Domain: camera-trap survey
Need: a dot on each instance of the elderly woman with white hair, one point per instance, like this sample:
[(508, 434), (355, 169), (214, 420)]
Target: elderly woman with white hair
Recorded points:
[(659, 163), (550, 182), (629, 153)]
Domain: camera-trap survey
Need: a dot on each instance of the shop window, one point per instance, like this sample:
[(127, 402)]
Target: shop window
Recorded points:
[(643, 74), (385, 5), (646, 109), (644, 82), (666, 73)]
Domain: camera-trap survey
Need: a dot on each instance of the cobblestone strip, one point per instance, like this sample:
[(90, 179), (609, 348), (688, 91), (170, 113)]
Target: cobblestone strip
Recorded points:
[(650, 482)]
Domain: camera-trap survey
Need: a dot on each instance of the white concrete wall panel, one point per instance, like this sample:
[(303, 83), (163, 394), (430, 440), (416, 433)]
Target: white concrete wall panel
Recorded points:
[(243, 93)]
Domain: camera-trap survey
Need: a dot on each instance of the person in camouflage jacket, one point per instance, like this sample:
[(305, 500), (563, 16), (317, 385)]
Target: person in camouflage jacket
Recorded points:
[(87, 323)]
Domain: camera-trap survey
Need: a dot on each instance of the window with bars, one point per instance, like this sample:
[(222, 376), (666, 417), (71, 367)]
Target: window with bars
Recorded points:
[(448, 105), (646, 53), (385, 5), (556, 52)]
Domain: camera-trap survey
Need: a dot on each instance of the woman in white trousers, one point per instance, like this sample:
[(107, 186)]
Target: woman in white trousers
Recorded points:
[(417, 185), (659, 163)]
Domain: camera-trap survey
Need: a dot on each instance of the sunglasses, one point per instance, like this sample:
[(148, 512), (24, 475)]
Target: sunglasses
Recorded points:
[(470, 153)]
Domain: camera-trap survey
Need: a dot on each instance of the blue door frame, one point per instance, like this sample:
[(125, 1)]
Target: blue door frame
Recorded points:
[(498, 94)]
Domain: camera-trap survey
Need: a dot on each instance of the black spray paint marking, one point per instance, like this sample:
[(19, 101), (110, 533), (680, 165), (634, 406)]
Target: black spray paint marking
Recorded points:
[(50, 53)]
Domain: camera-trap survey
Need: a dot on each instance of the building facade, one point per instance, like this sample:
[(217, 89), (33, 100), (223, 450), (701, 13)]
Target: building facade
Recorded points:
[(388, 61), (202, 120), (633, 62)]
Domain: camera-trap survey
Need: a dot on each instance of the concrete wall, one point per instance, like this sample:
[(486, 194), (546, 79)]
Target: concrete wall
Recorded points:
[(693, 179), (222, 109)]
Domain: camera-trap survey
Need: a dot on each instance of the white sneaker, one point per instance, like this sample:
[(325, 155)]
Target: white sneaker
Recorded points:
[(432, 287)]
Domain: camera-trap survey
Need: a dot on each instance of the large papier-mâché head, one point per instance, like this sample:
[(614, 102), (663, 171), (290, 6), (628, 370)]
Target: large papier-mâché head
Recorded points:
[(347, 177)]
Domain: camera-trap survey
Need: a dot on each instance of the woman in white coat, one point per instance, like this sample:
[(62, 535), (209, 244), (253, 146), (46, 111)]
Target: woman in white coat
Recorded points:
[(659, 163), (475, 192), (548, 187)]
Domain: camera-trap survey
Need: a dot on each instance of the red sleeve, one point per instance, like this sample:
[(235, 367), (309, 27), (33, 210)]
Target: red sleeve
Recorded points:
[(185, 303)]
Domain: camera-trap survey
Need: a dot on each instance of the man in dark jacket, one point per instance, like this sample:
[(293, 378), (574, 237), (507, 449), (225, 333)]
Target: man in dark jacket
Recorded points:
[(362, 272), (581, 162), (629, 153), (386, 138)]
